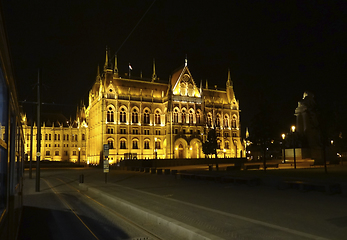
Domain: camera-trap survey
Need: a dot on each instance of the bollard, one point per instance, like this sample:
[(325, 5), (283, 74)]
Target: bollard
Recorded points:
[(81, 178)]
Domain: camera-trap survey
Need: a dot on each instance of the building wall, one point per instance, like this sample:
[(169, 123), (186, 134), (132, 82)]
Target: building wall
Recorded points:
[(58, 143), (147, 119)]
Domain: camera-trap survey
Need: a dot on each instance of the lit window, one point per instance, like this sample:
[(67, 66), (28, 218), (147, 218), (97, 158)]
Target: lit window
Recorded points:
[(146, 117), (122, 115), (157, 117), (135, 116), (110, 115), (122, 144)]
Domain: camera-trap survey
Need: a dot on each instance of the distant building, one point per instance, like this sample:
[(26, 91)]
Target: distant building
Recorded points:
[(61, 139), (144, 119), (148, 119)]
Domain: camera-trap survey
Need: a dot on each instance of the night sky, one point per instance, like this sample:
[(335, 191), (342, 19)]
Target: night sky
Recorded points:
[(275, 50)]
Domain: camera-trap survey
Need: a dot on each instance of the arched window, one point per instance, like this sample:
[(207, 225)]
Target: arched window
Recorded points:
[(191, 116), (157, 144), (218, 120), (226, 145), (135, 144), (146, 117), (233, 122), (110, 115), (122, 115), (122, 144), (183, 89), (183, 116), (146, 144), (176, 115), (198, 117), (209, 120), (135, 116), (110, 143), (226, 121), (157, 117)]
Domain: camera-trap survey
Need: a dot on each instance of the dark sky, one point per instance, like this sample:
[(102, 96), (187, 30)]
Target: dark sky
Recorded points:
[(276, 50)]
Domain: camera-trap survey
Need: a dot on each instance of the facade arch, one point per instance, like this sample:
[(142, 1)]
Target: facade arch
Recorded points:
[(184, 115), (123, 143), (181, 148), (146, 115), (226, 121), (110, 142), (135, 115), (175, 114), (198, 116), (110, 113), (218, 117), (157, 116), (123, 114), (135, 143), (191, 116), (234, 122), (195, 148), (209, 119), (146, 143)]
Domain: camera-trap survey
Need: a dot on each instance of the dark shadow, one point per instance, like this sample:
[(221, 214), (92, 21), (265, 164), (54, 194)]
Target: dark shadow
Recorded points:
[(39, 223)]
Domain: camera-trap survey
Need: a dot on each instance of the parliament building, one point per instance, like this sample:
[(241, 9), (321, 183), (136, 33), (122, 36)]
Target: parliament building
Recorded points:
[(146, 119)]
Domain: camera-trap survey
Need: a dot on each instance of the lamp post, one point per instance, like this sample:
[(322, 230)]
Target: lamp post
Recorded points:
[(284, 148), (293, 131), (224, 151), (79, 156), (155, 148)]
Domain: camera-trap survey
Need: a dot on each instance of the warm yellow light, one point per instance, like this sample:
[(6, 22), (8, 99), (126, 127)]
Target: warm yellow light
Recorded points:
[(79, 149), (224, 150), (283, 136), (293, 128), (191, 148), (155, 139)]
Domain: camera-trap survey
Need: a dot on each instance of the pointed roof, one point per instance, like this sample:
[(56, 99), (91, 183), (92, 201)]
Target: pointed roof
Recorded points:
[(154, 75), (115, 70), (106, 59), (229, 82)]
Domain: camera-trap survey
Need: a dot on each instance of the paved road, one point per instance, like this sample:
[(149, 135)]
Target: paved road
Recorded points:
[(215, 209), (59, 211)]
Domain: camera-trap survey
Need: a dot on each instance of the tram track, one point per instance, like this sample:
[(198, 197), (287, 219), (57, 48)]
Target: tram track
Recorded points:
[(132, 229)]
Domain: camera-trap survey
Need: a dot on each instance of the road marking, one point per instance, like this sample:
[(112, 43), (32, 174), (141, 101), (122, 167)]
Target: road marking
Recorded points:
[(68, 206), (254, 221), (111, 210)]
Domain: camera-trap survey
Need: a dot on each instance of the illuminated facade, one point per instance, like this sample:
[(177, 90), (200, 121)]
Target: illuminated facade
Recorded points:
[(143, 119), (61, 140), (148, 119)]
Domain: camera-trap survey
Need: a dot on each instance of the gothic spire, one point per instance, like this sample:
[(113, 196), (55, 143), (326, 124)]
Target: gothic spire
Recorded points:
[(115, 71), (154, 75), (229, 82), (230, 90), (106, 60), (186, 61), (98, 72)]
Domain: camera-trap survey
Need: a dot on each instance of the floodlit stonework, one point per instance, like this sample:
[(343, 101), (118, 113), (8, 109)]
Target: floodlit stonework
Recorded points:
[(148, 118), (145, 119)]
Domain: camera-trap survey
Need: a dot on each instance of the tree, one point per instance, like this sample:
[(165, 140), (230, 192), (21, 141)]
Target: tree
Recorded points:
[(210, 146)]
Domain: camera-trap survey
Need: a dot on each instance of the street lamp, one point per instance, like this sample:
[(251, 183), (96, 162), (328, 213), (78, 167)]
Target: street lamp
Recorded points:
[(284, 148), (79, 155), (293, 130), (224, 150), (155, 148)]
